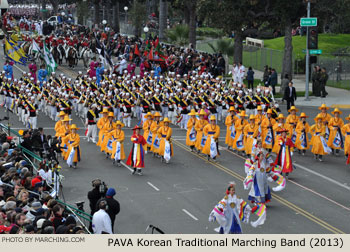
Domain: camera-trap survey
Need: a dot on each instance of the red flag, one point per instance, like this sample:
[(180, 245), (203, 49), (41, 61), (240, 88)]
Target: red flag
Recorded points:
[(136, 51), (150, 55), (156, 43)]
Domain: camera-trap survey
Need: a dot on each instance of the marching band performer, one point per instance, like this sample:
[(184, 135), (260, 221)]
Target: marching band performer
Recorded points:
[(302, 130), (267, 133), (191, 132), (166, 149), (318, 142), (148, 120), (136, 157), (199, 126), (91, 123), (230, 127), (238, 142), (250, 133), (118, 137), (73, 152), (212, 133), (335, 124)]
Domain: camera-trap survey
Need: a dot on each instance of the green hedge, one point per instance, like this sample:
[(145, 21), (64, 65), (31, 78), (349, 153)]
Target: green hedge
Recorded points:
[(210, 32)]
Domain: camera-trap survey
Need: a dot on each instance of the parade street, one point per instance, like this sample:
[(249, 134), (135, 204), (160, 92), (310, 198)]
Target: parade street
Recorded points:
[(179, 196)]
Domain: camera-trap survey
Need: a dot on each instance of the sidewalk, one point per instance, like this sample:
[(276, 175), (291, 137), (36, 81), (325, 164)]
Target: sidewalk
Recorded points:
[(336, 97)]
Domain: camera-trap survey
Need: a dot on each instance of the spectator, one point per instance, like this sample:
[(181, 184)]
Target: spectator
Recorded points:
[(290, 95), (284, 84), (113, 205), (323, 81), (266, 75), (101, 222), (250, 78), (273, 80)]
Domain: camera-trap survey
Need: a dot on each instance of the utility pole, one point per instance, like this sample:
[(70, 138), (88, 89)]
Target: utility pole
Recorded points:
[(307, 73)]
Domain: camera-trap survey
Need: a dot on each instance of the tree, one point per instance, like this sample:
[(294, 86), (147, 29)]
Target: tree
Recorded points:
[(97, 11), (178, 35), (138, 15), (54, 4), (224, 46), (163, 10), (191, 6)]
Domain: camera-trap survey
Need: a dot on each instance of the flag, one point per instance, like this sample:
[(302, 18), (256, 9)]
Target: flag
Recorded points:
[(103, 52), (35, 47), (14, 52), (150, 55), (136, 51), (51, 65)]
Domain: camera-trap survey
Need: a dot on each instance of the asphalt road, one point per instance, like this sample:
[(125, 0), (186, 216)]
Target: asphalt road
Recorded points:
[(179, 196)]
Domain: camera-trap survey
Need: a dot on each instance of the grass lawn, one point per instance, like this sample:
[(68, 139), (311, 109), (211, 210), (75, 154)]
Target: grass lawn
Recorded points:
[(344, 84), (299, 94)]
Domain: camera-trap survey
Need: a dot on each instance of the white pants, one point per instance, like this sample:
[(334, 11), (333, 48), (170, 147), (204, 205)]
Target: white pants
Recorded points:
[(92, 132), (250, 112), (19, 113), (224, 114), (2, 99), (183, 123), (117, 113), (165, 111), (24, 117), (219, 109), (33, 122), (172, 116), (127, 119), (53, 112), (81, 110), (75, 106)]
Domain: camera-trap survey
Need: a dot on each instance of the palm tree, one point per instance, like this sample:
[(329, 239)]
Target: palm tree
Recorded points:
[(224, 46), (178, 35)]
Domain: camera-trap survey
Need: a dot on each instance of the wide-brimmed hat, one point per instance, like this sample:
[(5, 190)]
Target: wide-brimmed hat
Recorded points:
[(280, 116), (232, 109), (192, 113), (110, 114), (66, 118), (293, 108), (242, 114), (303, 115), (259, 108), (282, 130), (62, 113), (166, 119), (202, 112), (136, 127), (336, 110), (74, 126), (105, 110), (119, 123), (212, 118), (269, 111), (323, 106), (149, 114), (318, 117), (252, 117), (157, 114)]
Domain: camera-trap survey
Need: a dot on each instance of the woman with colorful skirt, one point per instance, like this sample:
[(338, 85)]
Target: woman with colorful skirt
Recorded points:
[(166, 149), (136, 157), (335, 140), (73, 140), (191, 132), (318, 142), (267, 133), (250, 133), (212, 133), (117, 136), (346, 132), (230, 127), (199, 126), (277, 129), (284, 154), (238, 142), (147, 129), (302, 130)]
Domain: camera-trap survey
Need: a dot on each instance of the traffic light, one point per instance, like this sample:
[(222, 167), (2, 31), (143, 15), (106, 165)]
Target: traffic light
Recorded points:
[(313, 38)]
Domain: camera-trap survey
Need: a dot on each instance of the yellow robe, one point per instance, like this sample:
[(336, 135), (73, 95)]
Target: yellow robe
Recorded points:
[(250, 132), (230, 120), (164, 133), (154, 129), (264, 131), (317, 131), (210, 131), (62, 132), (118, 136), (73, 141), (100, 123), (239, 125), (146, 129), (190, 124), (58, 125), (107, 128), (333, 130), (299, 128), (325, 117), (200, 124), (346, 132)]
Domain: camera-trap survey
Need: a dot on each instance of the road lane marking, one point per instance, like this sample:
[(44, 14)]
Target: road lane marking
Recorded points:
[(153, 186), (127, 167), (189, 214), (290, 205)]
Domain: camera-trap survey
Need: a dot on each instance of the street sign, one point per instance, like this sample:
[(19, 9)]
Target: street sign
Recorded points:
[(316, 51), (308, 21)]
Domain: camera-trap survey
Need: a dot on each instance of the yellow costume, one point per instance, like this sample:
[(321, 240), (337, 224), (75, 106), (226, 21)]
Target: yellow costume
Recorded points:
[(265, 127), (277, 128), (324, 115), (100, 124), (250, 132), (107, 129), (190, 127), (346, 132), (300, 129), (239, 126), (73, 141), (230, 120), (147, 127), (317, 130), (164, 133), (210, 131), (334, 124), (154, 129), (59, 123), (118, 136), (199, 127)]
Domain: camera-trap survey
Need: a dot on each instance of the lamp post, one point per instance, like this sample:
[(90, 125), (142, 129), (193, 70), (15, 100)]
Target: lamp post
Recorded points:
[(146, 30), (126, 14)]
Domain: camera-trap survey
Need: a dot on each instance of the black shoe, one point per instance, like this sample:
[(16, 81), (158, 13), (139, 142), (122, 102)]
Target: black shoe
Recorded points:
[(299, 151), (208, 157), (134, 171), (139, 172)]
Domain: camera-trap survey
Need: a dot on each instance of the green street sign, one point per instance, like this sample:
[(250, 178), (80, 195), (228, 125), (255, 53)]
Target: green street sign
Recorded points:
[(317, 51), (308, 21), (304, 51)]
